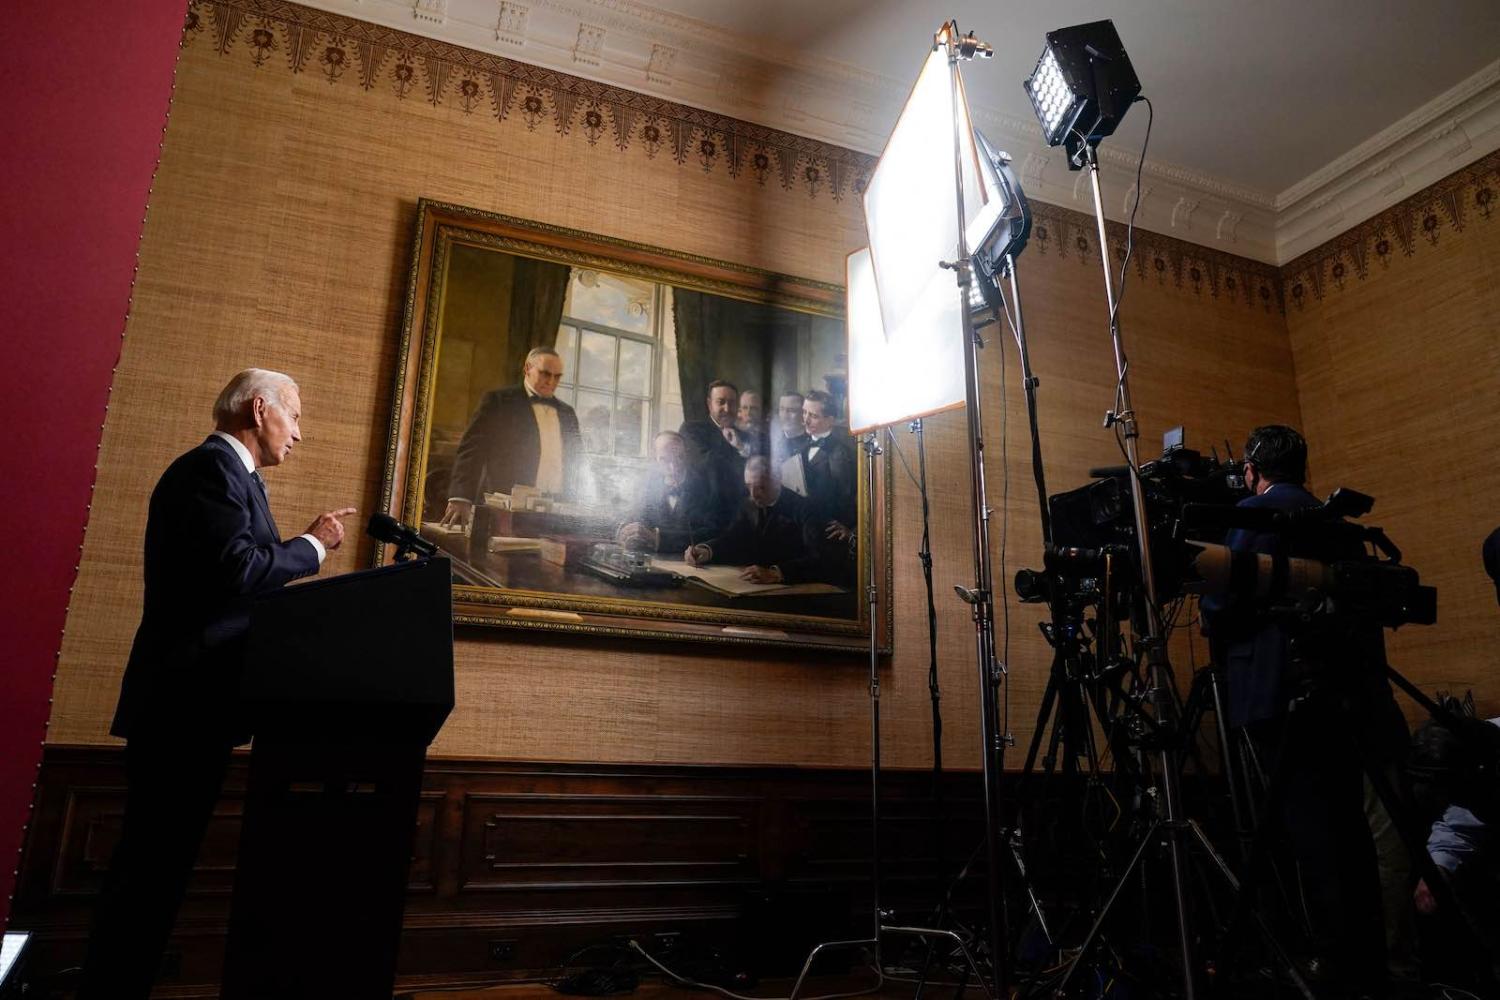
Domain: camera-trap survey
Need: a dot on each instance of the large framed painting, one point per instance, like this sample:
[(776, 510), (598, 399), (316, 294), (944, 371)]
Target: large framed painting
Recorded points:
[(616, 438)]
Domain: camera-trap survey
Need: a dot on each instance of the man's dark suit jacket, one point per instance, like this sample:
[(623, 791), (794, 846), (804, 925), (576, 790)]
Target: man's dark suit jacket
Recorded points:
[(783, 447), (502, 446), (753, 440), (211, 546), (785, 536), (697, 517), (1256, 651), (724, 465), (833, 477)]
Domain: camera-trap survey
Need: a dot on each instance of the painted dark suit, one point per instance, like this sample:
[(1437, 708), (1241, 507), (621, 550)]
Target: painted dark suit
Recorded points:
[(211, 547), (719, 459), (833, 476), (784, 535), (696, 516), (502, 446), (783, 447)]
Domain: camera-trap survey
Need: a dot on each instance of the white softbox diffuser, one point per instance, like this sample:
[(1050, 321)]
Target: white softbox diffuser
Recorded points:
[(905, 320)]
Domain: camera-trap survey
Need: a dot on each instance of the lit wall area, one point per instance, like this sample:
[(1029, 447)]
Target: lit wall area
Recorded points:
[(280, 234), (1397, 353), (591, 785)]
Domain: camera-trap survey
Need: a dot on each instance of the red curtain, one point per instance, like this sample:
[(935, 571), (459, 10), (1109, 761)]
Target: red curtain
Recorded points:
[(84, 91)]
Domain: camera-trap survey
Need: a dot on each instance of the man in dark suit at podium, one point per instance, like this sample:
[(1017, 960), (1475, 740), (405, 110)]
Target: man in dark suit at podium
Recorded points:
[(520, 435), (211, 547)]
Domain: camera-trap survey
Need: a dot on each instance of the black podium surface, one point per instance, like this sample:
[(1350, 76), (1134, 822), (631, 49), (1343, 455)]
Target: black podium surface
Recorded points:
[(348, 680)]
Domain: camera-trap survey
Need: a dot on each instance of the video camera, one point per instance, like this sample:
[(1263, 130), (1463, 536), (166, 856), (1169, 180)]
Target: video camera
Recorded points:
[(1096, 521), (1325, 563)]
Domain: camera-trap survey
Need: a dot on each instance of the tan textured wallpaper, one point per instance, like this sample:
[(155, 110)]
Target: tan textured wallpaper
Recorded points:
[(1397, 344), (279, 233)]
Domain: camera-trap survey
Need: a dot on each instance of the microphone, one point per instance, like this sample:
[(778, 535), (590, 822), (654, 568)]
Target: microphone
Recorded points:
[(385, 528)]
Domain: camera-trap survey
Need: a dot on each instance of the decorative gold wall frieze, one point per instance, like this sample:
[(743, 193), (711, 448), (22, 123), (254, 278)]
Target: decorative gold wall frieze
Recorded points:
[(407, 66), (1399, 232), (304, 40), (1168, 262)]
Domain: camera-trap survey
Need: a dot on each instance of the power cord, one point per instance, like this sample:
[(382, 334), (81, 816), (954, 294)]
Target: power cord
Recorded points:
[(612, 976), (682, 980)]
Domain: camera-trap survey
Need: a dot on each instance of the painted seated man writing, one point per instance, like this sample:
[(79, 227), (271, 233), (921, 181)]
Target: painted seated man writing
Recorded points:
[(775, 534), (676, 503)]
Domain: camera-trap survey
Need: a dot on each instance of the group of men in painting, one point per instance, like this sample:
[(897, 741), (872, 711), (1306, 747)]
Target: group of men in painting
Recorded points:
[(777, 497)]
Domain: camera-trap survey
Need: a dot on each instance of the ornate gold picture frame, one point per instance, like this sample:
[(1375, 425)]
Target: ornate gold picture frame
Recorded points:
[(615, 438)]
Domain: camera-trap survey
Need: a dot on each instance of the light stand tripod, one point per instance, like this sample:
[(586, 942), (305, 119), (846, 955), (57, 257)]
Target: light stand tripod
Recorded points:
[(980, 597), (871, 944), (1162, 692), (907, 322)]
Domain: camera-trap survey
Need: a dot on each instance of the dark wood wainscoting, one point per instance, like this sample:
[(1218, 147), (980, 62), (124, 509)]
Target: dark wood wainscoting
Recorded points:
[(515, 866)]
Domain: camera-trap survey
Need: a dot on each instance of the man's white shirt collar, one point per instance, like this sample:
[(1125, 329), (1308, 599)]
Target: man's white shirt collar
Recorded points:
[(239, 449), (244, 454)]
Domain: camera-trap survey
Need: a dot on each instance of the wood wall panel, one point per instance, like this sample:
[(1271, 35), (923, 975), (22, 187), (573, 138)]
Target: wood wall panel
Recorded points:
[(279, 235), (516, 865), (549, 841)]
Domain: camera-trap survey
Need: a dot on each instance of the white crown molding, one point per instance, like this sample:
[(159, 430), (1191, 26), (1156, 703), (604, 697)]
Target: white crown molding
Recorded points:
[(629, 44), (1446, 134), (1174, 201)]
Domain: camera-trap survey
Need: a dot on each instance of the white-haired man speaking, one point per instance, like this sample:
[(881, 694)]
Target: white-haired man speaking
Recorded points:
[(211, 547)]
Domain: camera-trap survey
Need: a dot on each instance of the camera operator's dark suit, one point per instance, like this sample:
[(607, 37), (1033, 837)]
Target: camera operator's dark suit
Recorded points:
[(1347, 705), (1255, 651)]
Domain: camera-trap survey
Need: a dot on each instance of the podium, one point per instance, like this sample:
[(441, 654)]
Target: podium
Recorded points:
[(347, 681)]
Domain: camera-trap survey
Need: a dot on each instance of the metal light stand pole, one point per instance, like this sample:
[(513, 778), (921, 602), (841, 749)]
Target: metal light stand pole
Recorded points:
[(1162, 693), (872, 449), (1029, 382), (872, 943), (981, 596)]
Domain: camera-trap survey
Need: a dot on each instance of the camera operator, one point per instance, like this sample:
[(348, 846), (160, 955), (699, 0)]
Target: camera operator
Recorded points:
[(1315, 693), (1461, 843)]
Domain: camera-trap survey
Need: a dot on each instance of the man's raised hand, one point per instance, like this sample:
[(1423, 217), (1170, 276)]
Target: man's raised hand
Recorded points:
[(328, 527)]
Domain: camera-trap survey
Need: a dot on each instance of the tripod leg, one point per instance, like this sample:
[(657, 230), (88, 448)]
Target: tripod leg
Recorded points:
[(1109, 904), (1043, 716), (1282, 955), (1036, 903), (1260, 847), (1253, 774), (1227, 762)]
